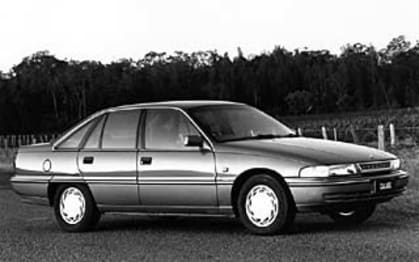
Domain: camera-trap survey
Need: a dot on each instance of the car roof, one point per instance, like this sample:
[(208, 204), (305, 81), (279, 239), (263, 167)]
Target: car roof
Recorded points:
[(183, 104)]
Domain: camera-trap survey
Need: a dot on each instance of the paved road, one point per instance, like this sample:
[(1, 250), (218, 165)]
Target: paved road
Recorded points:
[(29, 233)]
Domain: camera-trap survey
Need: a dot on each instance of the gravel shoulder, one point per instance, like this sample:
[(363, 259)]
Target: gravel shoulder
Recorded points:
[(6, 169), (30, 233)]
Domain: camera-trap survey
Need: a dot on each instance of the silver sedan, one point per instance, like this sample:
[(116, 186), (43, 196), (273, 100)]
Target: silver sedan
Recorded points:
[(202, 157)]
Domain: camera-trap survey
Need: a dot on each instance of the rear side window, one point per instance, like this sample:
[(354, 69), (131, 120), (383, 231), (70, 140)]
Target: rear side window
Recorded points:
[(76, 138), (93, 142), (121, 130)]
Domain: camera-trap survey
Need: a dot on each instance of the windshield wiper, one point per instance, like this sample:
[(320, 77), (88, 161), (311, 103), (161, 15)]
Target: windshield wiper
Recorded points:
[(259, 136)]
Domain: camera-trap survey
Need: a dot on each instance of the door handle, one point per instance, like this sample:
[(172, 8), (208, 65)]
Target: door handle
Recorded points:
[(146, 160), (88, 160)]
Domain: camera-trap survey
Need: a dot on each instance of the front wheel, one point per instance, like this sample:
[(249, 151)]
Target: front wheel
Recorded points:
[(352, 216), (264, 207), (75, 209)]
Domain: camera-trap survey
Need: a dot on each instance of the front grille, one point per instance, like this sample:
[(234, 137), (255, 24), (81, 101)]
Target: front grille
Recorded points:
[(372, 166), (375, 167)]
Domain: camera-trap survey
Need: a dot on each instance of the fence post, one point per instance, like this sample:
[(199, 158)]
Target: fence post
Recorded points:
[(392, 135), (324, 132), (380, 131), (299, 131), (335, 134), (354, 136), (6, 145)]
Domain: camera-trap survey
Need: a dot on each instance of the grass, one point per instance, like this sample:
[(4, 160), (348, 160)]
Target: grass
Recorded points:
[(409, 202), (364, 124), (406, 117)]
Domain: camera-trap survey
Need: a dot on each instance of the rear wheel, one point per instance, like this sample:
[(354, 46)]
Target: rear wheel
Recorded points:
[(75, 209), (264, 207), (352, 216)]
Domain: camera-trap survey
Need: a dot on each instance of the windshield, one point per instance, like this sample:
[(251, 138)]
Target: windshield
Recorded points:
[(231, 123)]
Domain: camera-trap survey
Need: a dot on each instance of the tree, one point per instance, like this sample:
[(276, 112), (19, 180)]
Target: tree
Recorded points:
[(46, 94)]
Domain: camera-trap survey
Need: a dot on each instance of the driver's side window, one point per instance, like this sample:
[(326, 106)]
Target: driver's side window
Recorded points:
[(166, 129)]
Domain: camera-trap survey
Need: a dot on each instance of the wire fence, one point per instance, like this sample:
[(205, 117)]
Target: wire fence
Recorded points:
[(402, 136), (13, 141)]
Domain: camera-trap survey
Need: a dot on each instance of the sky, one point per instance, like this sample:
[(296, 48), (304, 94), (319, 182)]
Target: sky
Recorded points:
[(108, 30)]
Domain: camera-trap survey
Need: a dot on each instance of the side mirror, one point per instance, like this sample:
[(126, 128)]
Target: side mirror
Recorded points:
[(194, 141)]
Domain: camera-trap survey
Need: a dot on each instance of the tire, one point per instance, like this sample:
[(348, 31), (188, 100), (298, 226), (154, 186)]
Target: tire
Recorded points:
[(81, 213), (352, 216), (256, 214)]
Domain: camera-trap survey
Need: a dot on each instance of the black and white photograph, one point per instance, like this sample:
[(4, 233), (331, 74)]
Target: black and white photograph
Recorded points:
[(209, 130)]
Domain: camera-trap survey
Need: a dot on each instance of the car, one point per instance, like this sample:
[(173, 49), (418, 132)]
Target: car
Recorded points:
[(214, 158)]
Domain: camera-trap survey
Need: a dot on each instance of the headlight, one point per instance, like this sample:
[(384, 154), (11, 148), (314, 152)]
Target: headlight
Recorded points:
[(328, 171), (315, 171), (395, 164)]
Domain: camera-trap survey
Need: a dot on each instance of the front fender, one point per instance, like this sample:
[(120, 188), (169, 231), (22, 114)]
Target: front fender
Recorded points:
[(229, 166)]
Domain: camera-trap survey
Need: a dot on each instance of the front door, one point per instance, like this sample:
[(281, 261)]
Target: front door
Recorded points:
[(171, 174), (108, 159)]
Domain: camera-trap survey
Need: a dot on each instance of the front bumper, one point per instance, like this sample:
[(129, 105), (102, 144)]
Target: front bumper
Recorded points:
[(316, 194)]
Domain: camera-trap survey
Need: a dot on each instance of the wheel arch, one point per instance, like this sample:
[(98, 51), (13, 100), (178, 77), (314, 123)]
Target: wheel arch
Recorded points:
[(244, 176), (53, 187)]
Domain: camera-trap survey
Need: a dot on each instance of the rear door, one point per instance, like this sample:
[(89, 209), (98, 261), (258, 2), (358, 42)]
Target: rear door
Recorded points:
[(108, 159), (171, 174)]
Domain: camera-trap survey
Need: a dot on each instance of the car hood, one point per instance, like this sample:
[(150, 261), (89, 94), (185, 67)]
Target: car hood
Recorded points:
[(309, 150)]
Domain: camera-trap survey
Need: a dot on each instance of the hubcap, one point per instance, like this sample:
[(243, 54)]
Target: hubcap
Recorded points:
[(72, 205), (261, 205)]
